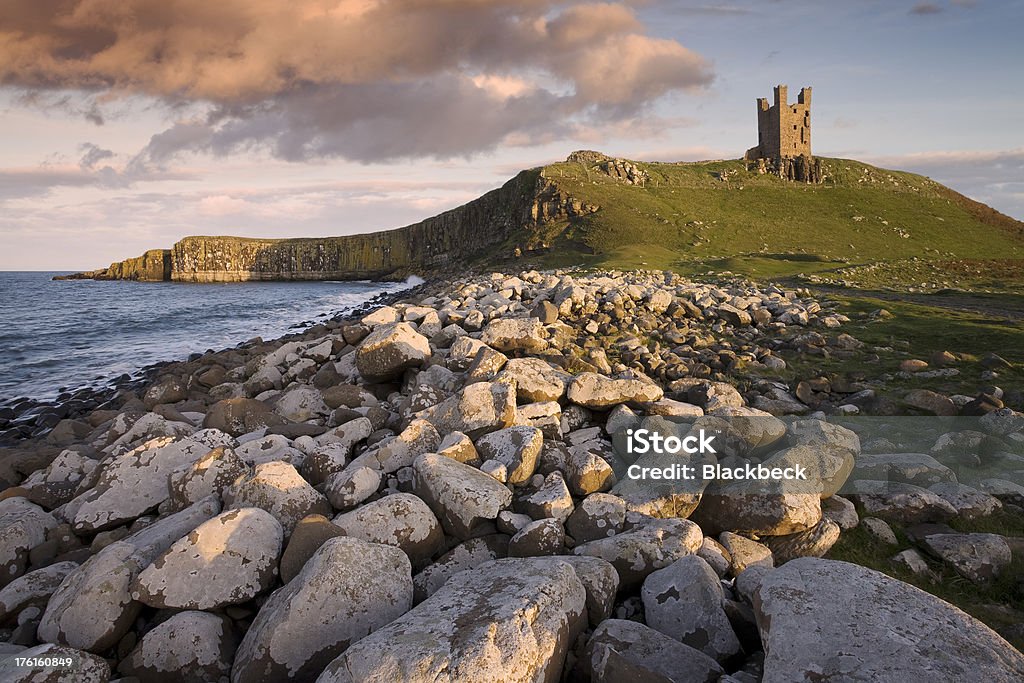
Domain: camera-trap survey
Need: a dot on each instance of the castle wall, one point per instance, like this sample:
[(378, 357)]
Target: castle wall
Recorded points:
[(783, 129)]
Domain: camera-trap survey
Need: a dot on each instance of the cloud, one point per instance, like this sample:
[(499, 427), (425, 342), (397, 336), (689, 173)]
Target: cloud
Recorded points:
[(993, 177), (93, 155), (925, 8), (40, 181), (366, 80)]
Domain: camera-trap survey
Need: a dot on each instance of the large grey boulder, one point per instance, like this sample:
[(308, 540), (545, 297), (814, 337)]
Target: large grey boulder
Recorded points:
[(476, 410), (465, 500), (515, 334), (512, 619), (636, 553), (466, 555), (623, 651), (536, 380), (133, 483), (23, 526), (191, 647), (518, 448), (919, 469), (93, 607), (237, 416), (898, 502), (346, 591), (389, 350), (830, 620), (684, 601), (977, 557), (56, 484), (209, 475), (402, 520), (229, 559), (598, 392), (278, 488), (32, 589)]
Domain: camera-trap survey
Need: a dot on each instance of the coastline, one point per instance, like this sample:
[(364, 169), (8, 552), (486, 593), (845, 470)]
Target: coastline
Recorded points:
[(26, 417)]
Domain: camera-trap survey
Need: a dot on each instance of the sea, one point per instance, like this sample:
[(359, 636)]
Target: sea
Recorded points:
[(62, 335)]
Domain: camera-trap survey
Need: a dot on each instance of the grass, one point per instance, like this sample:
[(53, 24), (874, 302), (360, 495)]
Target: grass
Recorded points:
[(998, 604), (868, 226)]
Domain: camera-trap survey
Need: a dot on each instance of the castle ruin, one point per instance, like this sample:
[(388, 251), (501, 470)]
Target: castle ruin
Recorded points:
[(784, 137)]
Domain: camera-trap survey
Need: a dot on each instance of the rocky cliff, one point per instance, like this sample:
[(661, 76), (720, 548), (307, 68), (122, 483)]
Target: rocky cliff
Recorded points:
[(519, 216)]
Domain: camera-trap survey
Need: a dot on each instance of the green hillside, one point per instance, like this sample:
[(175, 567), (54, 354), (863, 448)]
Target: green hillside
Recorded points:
[(718, 215)]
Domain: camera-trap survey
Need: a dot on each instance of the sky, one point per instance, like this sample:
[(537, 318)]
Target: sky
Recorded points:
[(126, 125)]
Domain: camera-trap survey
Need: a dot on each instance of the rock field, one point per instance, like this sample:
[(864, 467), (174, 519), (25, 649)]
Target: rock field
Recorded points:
[(436, 491)]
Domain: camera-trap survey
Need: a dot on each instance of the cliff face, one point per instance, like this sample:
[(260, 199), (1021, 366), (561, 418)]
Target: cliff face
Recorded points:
[(517, 216), (153, 266)]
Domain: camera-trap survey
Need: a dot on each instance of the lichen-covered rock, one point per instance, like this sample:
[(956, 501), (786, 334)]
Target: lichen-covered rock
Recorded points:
[(598, 392), (814, 542), (279, 489), (34, 588), (623, 651), (897, 502), (401, 520), (969, 502), (467, 555), (465, 500), (977, 557), (347, 590), (476, 410), (511, 619), (416, 439), (23, 526), (191, 647), (310, 533), (352, 486), (684, 601), (536, 380), (518, 448), (300, 404), (732, 508), (636, 553), (745, 553), (209, 475), (93, 607), (389, 350), (132, 483), (237, 416), (55, 485), (550, 499), (830, 620), (229, 559), (910, 468), (87, 668), (537, 539), (515, 334), (599, 515)]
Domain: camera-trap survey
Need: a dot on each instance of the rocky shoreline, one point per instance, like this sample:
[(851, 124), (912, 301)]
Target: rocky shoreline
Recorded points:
[(434, 489)]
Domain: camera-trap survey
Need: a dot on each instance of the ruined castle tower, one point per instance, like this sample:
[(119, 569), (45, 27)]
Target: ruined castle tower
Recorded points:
[(784, 137)]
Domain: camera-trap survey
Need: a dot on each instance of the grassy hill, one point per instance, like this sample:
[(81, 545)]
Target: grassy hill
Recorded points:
[(717, 215)]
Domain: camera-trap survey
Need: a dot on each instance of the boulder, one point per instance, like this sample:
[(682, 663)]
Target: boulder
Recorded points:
[(465, 500), (209, 475), (623, 651), (401, 520), (507, 617), (515, 334), (897, 502), (970, 503), (478, 409), (537, 539), (636, 553), (518, 448), (56, 484), (979, 558), (237, 416), (191, 647), (598, 392), (910, 468), (467, 555), (814, 542), (599, 515), (347, 590), (550, 499), (131, 484), (830, 620), (227, 560), (309, 534), (279, 489), (390, 350), (32, 589), (684, 601), (23, 526), (536, 380)]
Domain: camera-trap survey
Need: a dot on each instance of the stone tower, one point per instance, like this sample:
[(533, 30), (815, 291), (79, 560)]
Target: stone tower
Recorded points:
[(784, 137)]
